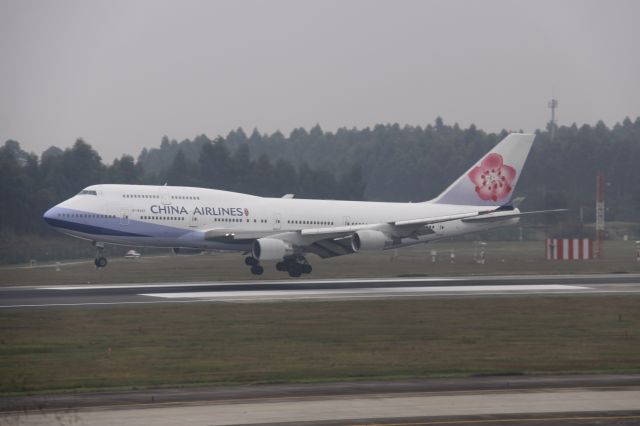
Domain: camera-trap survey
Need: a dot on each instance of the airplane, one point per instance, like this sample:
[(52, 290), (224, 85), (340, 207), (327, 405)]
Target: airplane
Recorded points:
[(287, 229)]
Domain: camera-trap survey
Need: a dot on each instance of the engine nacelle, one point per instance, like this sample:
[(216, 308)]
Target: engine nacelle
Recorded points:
[(369, 240), (270, 249)]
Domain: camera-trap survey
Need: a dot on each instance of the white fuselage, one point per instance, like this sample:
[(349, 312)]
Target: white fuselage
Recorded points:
[(168, 216)]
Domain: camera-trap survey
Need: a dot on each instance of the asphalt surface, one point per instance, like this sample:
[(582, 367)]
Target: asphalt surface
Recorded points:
[(352, 289), (568, 400), (571, 399), (186, 395)]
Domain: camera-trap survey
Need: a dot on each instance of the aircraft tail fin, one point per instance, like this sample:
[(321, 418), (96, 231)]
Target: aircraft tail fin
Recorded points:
[(492, 180)]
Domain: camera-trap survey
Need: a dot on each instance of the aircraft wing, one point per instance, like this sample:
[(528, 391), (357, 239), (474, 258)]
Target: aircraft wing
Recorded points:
[(324, 244), (434, 220), (335, 240), (399, 223), (400, 228), (334, 233), (231, 235), (498, 216), (331, 247)]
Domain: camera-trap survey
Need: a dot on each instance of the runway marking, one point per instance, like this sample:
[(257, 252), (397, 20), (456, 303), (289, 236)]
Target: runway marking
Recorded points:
[(405, 295), (368, 291), (53, 305), (266, 282), (462, 279), (323, 298)]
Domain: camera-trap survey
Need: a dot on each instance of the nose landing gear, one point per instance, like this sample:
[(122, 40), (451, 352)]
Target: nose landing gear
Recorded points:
[(100, 261)]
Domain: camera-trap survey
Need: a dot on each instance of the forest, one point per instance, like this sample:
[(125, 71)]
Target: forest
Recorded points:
[(384, 163)]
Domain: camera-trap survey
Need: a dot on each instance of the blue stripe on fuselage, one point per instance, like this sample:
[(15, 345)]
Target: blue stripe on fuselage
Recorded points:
[(88, 223), (89, 229)]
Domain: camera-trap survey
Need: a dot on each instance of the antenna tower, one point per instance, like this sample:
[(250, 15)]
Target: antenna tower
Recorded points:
[(553, 104)]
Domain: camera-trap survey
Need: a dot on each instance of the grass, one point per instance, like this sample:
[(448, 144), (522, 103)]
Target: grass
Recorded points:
[(502, 258), (169, 345)]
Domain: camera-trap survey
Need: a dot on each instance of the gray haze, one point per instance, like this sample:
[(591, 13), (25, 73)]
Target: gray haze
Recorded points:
[(121, 74)]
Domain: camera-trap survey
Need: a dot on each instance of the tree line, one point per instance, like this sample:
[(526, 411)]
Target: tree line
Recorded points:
[(386, 162)]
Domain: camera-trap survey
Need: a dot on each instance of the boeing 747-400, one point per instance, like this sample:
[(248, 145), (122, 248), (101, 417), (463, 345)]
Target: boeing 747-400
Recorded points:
[(286, 230)]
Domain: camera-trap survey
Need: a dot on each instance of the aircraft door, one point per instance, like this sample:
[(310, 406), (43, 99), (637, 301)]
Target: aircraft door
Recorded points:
[(347, 221), (193, 221), (277, 221), (166, 199), (124, 217)]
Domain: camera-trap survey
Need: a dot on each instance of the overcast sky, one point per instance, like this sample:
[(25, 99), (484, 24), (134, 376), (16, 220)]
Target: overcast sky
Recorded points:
[(121, 74)]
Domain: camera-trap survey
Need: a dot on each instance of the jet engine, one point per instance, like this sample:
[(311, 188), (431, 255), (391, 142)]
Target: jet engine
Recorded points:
[(270, 249), (369, 240)]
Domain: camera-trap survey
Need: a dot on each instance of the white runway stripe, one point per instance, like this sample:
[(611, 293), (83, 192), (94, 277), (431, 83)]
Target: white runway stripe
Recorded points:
[(369, 291), (587, 290), (288, 282), (461, 279)]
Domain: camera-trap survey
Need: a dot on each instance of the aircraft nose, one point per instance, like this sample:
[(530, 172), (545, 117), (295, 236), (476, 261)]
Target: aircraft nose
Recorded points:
[(48, 215)]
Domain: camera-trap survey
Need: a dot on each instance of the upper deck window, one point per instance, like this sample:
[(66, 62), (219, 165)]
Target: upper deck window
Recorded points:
[(87, 192)]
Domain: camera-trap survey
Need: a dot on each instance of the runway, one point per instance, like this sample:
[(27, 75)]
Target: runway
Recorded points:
[(489, 401), (318, 290)]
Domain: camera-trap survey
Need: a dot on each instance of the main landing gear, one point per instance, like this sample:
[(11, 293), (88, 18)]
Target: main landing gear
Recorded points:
[(100, 261), (295, 265), (256, 268)]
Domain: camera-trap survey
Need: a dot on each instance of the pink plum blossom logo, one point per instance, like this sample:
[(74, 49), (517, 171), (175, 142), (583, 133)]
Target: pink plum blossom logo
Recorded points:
[(492, 178), (246, 212)]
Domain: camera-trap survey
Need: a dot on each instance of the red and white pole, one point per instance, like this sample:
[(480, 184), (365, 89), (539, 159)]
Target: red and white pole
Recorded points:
[(599, 254)]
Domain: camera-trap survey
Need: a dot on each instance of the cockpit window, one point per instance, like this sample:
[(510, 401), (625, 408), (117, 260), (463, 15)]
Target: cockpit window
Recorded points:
[(87, 192)]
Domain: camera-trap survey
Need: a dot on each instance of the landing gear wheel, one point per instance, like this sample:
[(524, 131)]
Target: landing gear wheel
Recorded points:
[(294, 270), (257, 270), (295, 265), (250, 261), (100, 262)]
